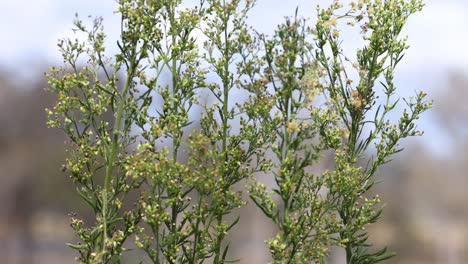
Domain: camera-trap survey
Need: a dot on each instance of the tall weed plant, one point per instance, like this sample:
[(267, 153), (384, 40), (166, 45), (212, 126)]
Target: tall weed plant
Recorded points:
[(196, 103)]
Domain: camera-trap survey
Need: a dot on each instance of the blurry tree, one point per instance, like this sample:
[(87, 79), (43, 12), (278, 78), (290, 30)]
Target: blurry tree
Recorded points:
[(30, 180), (452, 109), (427, 222)]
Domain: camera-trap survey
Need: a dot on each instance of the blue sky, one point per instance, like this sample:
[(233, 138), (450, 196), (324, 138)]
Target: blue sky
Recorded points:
[(438, 35)]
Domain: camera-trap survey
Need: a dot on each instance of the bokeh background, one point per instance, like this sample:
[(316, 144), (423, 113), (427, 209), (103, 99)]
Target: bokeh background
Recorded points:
[(425, 188)]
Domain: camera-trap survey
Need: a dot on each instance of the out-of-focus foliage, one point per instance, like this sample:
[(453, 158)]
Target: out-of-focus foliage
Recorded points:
[(32, 217)]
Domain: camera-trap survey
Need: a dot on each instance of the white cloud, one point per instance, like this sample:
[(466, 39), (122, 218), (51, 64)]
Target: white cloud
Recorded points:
[(23, 23), (438, 36), (30, 29)]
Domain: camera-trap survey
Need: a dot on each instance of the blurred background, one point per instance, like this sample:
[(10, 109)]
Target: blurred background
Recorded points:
[(426, 216)]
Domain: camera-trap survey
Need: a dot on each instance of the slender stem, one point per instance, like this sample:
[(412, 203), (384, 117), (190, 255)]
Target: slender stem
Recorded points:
[(349, 254), (176, 133), (323, 60), (111, 156), (284, 153), (225, 80), (196, 232)]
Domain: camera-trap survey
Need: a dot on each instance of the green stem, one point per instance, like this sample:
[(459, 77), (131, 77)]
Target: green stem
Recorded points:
[(284, 153), (175, 134), (113, 151), (196, 232), (225, 80), (349, 254)]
